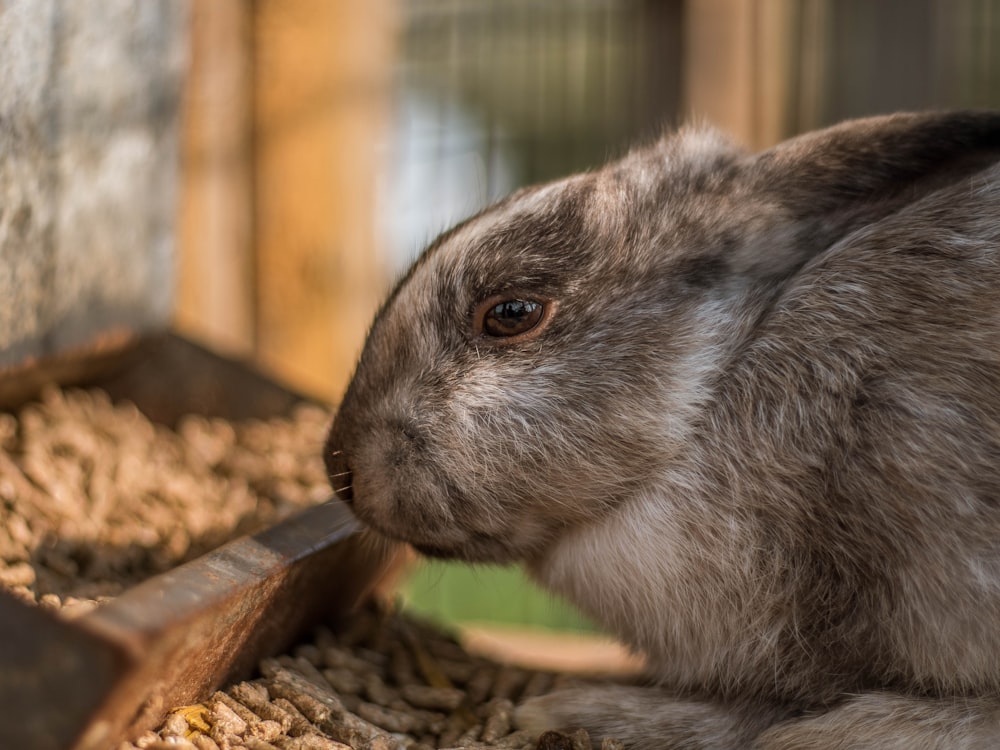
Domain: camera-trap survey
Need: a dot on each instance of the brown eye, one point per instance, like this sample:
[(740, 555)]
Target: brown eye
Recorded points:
[(512, 317)]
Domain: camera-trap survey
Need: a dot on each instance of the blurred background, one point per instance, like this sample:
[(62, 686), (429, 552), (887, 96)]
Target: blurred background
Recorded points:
[(324, 143)]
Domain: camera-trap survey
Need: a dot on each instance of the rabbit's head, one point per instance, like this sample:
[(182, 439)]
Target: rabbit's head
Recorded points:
[(547, 359)]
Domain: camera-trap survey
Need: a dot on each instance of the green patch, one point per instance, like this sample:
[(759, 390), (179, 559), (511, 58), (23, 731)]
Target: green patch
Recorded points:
[(459, 593)]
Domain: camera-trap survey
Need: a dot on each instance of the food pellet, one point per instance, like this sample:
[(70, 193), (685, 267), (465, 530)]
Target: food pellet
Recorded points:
[(204, 742), (427, 696), (94, 497), (312, 742), (225, 721), (255, 743), (175, 726), (555, 741), (498, 719), (238, 708), (300, 725), (295, 706), (172, 744)]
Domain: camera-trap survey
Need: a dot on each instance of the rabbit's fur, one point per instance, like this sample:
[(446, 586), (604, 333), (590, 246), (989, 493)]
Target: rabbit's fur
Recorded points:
[(756, 433)]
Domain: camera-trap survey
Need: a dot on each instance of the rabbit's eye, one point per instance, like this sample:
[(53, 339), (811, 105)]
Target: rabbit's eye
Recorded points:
[(512, 317), (507, 318)]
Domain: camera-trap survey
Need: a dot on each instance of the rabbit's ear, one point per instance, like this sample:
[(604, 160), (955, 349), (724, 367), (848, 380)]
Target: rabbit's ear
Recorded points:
[(837, 179)]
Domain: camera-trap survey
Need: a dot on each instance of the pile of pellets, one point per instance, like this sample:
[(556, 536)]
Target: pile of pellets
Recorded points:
[(383, 682), (95, 498)]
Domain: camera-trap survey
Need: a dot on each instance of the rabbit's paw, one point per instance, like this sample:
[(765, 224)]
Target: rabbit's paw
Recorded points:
[(891, 722), (642, 718)]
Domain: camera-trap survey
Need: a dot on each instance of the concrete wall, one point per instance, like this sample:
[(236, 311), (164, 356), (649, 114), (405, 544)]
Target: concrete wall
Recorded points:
[(89, 105)]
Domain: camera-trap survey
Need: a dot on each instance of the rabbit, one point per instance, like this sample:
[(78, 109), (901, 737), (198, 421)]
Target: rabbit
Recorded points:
[(742, 409)]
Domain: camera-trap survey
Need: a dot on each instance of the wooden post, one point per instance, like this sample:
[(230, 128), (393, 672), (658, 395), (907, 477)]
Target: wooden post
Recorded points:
[(738, 67), (215, 295), (321, 98)]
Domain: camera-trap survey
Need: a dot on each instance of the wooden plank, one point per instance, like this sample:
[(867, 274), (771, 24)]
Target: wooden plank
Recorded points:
[(118, 72), (718, 69), (215, 294), (775, 60), (322, 84), (88, 109), (27, 180), (739, 65), (813, 65)]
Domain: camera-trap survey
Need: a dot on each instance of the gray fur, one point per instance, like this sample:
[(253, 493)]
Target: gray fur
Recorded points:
[(757, 437)]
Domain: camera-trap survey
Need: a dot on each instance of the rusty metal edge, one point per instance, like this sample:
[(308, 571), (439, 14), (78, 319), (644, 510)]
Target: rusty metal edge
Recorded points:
[(105, 352), (175, 638), (44, 662), (205, 623)]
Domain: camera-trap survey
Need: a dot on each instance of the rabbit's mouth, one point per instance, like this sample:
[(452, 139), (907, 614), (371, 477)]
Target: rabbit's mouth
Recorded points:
[(429, 550), (443, 544), (479, 548)]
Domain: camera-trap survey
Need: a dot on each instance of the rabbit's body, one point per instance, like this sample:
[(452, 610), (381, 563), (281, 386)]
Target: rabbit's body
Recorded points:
[(755, 430)]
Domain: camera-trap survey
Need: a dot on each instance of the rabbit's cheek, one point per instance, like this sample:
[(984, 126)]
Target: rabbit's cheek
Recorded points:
[(411, 490)]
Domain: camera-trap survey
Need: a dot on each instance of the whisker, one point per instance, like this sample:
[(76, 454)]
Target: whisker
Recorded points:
[(338, 475)]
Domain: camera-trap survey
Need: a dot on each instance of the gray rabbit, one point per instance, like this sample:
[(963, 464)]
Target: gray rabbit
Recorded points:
[(742, 409)]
